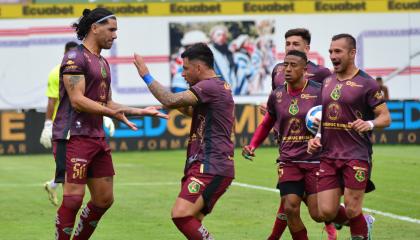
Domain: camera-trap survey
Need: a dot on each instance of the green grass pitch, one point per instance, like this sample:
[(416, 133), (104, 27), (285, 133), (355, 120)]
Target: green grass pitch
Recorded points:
[(147, 184)]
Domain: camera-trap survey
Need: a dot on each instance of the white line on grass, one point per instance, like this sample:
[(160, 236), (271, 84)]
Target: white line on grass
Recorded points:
[(390, 215), (244, 185)]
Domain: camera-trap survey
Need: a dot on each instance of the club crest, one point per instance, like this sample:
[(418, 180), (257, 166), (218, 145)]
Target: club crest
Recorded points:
[(336, 92)]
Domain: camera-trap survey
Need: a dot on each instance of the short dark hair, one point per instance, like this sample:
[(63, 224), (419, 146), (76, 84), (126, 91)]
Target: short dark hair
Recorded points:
[(349, 38), (379, 79), (70, 45), (298, 54), (302, 32), (88, 18), (201, 52)]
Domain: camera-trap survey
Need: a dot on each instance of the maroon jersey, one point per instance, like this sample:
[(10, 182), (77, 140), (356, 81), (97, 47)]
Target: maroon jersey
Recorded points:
[(211, 128), (315, 73), (289, 113), (344, 102), (68, 121)]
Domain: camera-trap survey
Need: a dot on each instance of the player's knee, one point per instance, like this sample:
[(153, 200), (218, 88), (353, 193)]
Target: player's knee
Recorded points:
[(179, 212), (327, 213), (104, 202), (72, 201), (352, 212), (316, 216), (291, 209)]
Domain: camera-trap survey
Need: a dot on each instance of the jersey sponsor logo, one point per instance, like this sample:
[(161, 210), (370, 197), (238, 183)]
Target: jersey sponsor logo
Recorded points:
[(227, 86), (194, 187), (294, 108), (307, 96), (295, 126), (353, 84), (333, 111), (70, 62), (360, 175), (72, 55), (102, 91), (70, 67), (336, 92)]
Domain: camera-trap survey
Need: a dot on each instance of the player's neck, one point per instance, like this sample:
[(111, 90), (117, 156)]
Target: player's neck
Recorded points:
[(92, 47), (208, 74), (296, 86), (350, 72)]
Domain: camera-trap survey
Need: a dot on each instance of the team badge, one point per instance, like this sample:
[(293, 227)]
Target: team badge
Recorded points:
[(194, 187), (227, 86), (360, 175), (103, 72), (294, 108), (336, 92)]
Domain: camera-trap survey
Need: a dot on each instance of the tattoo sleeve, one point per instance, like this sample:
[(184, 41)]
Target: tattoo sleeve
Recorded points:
[(74, 80), (172, 100)]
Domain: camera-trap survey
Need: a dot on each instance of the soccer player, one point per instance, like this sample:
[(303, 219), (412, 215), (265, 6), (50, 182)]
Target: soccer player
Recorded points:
[(81, 152), (209, 167), (287, 107), (352, 106), (52, 106), (295, 39)]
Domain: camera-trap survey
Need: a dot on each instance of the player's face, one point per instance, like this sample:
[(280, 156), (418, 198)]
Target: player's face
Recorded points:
[(190, 72), (296, 43), (341, 55), (106, 33), (294, 69)]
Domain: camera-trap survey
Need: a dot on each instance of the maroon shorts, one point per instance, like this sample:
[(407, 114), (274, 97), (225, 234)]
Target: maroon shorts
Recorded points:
[(305, 173), (85, 158), (338, 173), (195, 184)]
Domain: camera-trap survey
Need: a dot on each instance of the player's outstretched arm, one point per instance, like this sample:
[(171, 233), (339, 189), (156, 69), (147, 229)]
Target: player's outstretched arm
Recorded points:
[(130, 111), (260, 134), (75, 88), (163, 95)]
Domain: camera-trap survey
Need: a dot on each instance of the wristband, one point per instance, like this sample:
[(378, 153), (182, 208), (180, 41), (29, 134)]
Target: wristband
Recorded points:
[(148, 79), (318, 135), (371, 124)]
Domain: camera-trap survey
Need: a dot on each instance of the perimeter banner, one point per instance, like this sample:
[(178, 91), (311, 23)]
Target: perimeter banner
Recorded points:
[(20, 132)]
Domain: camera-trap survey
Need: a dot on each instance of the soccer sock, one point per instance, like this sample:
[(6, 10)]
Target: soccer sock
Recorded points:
[(300, 235), (358, 227), (52, 184), (192, 228), (341, 217), (66, 216), (279, 225), (89, 218)]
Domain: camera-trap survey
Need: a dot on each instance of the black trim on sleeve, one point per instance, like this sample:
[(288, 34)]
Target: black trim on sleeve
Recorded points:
[(60, 161), (196, 95)]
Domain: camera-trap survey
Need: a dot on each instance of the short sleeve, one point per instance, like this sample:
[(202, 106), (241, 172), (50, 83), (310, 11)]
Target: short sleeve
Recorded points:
[(271, 104), (73, 62), (374, 94), (53, 83), (205, 90)]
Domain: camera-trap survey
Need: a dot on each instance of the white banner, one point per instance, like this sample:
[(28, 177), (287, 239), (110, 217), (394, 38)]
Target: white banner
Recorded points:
[(388, 46)]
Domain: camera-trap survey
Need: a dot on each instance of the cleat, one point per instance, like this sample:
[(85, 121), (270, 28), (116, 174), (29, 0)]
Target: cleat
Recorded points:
[(52, 194), (331, 231), (369, 221)]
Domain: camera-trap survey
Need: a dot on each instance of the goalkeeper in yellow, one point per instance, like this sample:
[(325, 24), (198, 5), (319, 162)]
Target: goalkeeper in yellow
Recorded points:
[(46, 134)]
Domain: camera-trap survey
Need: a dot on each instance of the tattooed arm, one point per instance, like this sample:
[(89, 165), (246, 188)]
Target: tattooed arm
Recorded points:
[(172, 100), (75, 88)]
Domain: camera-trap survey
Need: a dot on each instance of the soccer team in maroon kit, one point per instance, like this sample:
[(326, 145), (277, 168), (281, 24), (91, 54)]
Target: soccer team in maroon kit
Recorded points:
[(317, 170)]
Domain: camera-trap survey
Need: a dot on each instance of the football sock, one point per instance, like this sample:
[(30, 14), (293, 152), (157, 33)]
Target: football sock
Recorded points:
[(192, 228), (341, 217), (279, 225), (358, 227), (66, 215), (89, 218), (300, 235)]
